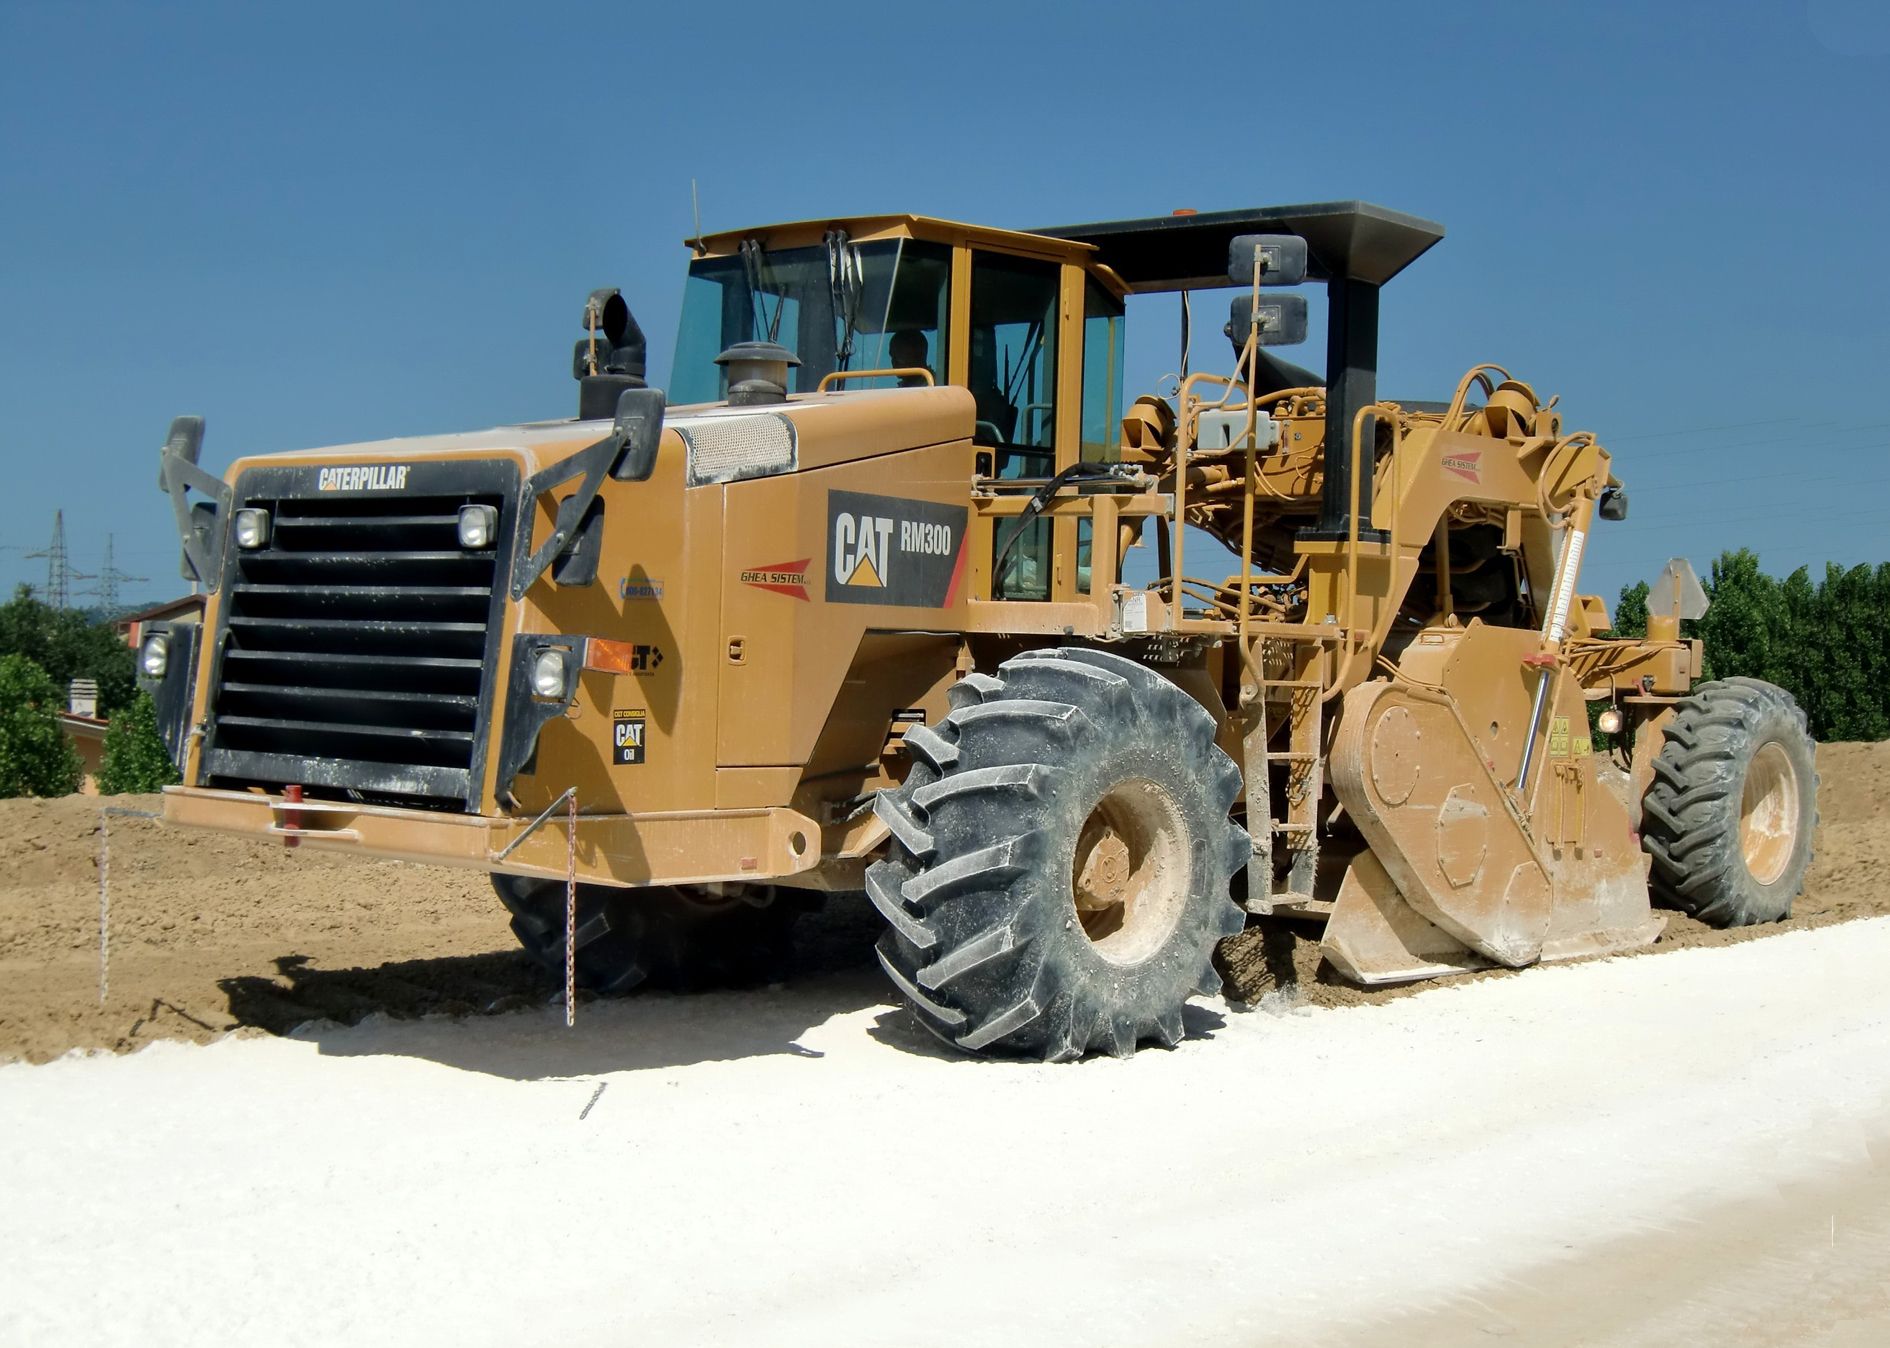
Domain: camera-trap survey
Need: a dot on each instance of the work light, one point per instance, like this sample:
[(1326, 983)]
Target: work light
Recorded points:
[(252, 528), (550, 673), (477, 524), (154, 657)]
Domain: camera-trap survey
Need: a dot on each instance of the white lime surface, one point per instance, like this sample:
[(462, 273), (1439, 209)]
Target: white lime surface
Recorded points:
[(800, 1167)]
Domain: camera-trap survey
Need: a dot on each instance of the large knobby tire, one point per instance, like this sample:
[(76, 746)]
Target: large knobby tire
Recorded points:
[(680, 939), (1061, 858), (1729, 816)]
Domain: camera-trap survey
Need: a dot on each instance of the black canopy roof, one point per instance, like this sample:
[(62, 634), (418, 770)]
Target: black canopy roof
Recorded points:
[(1189, 252)]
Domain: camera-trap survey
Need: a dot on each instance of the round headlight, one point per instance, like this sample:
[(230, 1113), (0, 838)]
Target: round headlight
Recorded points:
[(477, 524), (154, 657), (548, 674), (251, 528), (1609, 722)]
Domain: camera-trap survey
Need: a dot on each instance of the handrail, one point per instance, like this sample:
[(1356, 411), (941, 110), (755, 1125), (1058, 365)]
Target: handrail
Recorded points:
[(1390, 412), (1187, 431), (827, 381)]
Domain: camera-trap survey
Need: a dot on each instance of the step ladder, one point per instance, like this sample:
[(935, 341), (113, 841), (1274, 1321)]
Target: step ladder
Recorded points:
[(1286, 706)]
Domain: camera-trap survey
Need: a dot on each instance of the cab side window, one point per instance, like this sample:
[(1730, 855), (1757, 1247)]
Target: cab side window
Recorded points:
[(1102, 374), (1013, 371), (1013, 376)]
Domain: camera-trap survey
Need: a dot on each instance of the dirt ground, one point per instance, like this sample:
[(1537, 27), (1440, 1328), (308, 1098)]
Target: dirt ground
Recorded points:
[(210, 934)]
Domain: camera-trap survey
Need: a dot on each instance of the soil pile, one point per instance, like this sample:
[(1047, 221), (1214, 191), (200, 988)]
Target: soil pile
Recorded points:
[(210, 934)]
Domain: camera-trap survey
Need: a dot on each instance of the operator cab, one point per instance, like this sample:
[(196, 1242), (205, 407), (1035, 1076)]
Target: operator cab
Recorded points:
[(1029, 325)]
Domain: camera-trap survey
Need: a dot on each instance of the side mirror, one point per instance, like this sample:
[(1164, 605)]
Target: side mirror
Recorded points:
[(639, 425), (1282, 320), (1279, 258), (183, 441)]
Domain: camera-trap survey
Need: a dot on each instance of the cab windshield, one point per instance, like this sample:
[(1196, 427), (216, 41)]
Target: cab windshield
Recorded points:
[(838, 306)]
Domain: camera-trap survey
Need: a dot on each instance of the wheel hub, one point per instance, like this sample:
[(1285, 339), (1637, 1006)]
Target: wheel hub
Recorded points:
[(1130, 874), (1768, 813)]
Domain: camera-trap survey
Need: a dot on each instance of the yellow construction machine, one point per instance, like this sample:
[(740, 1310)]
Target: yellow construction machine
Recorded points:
[(848, 609)]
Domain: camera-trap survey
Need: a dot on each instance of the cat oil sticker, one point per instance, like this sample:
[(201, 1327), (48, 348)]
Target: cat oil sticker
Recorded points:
[(626, 737)]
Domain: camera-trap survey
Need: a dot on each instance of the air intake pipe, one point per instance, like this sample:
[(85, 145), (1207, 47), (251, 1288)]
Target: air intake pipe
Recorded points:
[(610, 357)]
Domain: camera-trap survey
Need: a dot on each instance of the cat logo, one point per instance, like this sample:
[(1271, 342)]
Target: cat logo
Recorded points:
[(859, 549), (891, 550)]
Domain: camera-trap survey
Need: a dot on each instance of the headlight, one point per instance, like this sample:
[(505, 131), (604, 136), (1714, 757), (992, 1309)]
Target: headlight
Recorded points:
[(252, 528), (1609, 722), (549, 673), (154, 657), (477, 525)]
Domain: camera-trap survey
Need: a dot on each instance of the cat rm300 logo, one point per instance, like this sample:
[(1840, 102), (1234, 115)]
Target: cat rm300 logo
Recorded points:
[(889, 550)]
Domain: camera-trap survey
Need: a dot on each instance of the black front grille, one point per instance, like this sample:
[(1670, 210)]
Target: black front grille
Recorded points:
[(356, 644)]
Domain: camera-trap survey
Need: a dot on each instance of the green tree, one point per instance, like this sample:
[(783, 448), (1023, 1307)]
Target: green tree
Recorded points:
[(1630, 613), (1850, 683), (35, 757), (1742, 618), (135, 757), (69, 645), (1802, 648)]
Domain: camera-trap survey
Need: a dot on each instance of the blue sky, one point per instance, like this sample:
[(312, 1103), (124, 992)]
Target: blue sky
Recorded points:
[(341, 222)]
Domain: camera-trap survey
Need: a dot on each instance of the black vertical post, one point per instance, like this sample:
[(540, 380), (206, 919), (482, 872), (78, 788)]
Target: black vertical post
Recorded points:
[(1351, 383)]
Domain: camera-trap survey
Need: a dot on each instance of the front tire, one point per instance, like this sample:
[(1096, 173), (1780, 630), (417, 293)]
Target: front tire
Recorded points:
[(1061, 859), (1729, 816)]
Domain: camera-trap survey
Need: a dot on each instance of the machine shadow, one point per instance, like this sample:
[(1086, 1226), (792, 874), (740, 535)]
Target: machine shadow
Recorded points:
[(501, 1015)]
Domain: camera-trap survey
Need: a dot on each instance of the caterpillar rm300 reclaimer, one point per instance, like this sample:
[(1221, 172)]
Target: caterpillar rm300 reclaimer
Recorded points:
[(849, 610)]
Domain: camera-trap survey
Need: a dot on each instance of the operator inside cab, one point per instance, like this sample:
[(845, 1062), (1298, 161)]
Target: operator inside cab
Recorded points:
[(909, 350)]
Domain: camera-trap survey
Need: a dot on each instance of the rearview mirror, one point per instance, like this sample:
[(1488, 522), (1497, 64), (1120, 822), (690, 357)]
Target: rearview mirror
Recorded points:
[(639, 424), (1282, 320), (183, 441), (1280, 258)]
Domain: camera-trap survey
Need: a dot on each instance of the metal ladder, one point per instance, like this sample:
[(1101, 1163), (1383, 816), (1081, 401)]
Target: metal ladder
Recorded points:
[(1293, 704)]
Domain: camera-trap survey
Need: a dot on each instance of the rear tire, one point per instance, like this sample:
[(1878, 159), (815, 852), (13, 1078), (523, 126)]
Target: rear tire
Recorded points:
[(682, 939), (1061, 859), (1729, 816)]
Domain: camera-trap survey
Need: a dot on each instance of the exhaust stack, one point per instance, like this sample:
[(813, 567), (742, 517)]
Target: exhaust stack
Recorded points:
[(610, 358)]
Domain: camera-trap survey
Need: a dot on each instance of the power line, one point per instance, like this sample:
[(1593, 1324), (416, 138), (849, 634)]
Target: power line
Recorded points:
[(1770, 442), (1764, 517), (1702, 430), (1734, 479)]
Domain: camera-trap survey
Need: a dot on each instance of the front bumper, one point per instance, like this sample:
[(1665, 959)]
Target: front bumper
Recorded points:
[(663, 848)]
